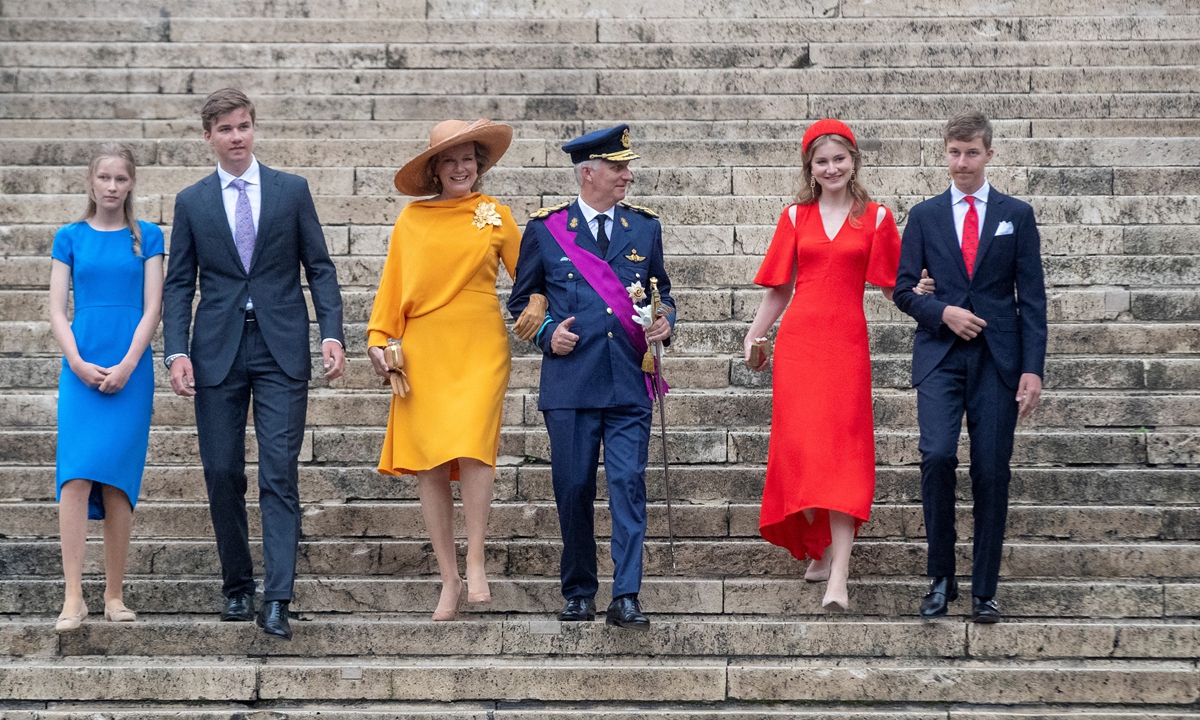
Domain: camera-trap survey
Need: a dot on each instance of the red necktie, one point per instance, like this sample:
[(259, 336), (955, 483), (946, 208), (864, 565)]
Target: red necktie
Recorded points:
[(970, 236)]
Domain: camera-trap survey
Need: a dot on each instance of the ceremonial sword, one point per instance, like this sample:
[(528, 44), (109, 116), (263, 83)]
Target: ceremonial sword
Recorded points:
[(657, 308)]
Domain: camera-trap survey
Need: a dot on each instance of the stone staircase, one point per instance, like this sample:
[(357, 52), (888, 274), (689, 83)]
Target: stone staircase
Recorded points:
[(1095, 105)]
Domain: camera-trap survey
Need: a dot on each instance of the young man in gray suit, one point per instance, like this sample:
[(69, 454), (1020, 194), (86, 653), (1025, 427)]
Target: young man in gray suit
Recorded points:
[(246, 230)]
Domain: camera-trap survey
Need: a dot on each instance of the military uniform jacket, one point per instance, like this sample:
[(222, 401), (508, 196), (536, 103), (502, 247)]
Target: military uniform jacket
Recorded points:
[(603, 370)]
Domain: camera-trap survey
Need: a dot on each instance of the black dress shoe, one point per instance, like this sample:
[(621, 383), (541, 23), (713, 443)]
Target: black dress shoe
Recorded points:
[(578, 610), (238, 608), (984, 610), (273, 619), (626, 612), (942, 592)]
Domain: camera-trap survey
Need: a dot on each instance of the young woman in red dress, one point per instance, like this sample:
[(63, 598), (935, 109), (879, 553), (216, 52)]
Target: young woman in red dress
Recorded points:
[(821, 463)]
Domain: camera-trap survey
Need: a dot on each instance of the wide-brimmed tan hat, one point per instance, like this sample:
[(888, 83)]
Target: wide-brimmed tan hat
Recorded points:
[(496, 137)]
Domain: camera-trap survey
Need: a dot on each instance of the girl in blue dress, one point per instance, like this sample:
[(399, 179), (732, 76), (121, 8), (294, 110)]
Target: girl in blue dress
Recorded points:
[(114, 263)]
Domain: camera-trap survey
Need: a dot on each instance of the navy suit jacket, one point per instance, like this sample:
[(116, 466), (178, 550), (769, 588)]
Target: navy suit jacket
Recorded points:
[(289, 236), (1008, 288), (603, 370)]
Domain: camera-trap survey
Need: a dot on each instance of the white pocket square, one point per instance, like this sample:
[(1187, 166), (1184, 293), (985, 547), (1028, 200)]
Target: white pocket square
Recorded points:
[(1004, 228)]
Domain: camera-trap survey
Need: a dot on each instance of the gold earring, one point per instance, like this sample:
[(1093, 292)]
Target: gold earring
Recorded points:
[(812, 184)]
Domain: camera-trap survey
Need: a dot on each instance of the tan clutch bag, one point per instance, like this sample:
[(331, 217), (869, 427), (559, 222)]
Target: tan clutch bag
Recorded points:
[(395, 362), (760, 355)]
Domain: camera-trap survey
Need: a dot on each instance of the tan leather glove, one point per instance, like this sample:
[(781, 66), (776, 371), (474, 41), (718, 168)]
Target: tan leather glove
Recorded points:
[(531, 318)]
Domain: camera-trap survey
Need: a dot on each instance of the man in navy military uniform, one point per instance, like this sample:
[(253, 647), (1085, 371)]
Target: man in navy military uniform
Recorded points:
[(593, 259)]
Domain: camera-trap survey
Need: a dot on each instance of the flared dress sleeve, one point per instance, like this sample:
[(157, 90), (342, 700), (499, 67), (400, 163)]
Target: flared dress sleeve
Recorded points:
[(780, 262), (387, 319), (510, 241), (884, 259)]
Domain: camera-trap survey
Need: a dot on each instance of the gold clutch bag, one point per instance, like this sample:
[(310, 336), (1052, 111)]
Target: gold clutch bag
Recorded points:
[(395, 363), (760, 355)]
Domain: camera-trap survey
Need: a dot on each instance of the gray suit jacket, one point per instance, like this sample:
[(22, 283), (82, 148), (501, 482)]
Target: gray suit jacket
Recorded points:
[(289, 236)]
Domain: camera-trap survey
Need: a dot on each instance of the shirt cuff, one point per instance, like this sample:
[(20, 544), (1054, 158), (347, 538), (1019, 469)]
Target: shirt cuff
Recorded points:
[(171, 358), (339, 342)]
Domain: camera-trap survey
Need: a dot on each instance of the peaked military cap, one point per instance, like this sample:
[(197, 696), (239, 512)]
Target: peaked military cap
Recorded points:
[(607, 144)]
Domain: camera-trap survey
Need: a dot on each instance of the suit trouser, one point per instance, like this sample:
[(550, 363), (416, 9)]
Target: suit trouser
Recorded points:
[(966, 380), (575, 437), (280, 407)]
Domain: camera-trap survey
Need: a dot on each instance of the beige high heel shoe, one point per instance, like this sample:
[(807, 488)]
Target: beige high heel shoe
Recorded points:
[(818, 570), (483, 596), (451, 614), (67, 623), (121, 614)]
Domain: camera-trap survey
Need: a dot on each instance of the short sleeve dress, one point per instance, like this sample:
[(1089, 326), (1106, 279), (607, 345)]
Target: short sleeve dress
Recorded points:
[(103, 437), (822, 451)]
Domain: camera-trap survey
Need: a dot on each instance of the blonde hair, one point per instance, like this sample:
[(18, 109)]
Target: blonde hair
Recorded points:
[(125, 153), (810, 190)]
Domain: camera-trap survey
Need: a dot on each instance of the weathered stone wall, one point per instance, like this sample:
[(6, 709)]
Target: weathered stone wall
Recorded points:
[(1095, 106)]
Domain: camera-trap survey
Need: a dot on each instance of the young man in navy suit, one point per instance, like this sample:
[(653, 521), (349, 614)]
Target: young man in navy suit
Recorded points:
[(980, 348), (245, 232), (592, 260)]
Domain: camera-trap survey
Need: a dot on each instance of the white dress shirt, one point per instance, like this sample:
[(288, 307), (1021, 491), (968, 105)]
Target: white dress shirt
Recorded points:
[(960, 207), (590, 214)]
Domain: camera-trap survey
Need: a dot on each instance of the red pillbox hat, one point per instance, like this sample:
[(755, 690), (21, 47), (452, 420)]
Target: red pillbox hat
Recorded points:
[(828, 126)]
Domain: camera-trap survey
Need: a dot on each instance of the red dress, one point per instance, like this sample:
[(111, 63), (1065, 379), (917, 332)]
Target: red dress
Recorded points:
[(822, 452)]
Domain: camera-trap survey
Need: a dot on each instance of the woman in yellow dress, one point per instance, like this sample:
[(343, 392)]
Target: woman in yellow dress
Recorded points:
[(438, 298)]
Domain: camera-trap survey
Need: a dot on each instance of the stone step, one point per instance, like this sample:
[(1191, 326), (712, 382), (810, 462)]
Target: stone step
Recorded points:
[(188, 127), (590, 711), (540, 520), (402, 79), (872, 596), (717, 27), (613, 108), (737, 484), (728, 556), (521, 56), (688, 409), (682, 679), (687, 446), (669, 635)]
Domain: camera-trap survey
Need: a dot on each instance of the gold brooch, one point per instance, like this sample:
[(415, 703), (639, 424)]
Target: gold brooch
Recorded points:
[(637, 293), (624, 222), (574, 223), (485, 214), (634, 257)]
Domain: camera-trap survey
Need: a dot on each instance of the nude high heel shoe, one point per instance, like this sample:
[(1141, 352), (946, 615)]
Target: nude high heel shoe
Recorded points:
[(452, 613), (818, 570), (475, 595), (120, 614), (67, 623)]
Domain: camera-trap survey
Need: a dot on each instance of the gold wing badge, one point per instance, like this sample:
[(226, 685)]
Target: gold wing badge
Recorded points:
[(634, 257)]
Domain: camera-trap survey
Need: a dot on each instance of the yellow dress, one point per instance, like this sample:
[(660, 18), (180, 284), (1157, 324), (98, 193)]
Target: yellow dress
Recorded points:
[(438, 296)]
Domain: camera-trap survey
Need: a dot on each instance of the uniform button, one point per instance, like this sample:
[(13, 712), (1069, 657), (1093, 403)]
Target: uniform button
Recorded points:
[(570, 276), (637, 275), (609, 310), (610, 334)]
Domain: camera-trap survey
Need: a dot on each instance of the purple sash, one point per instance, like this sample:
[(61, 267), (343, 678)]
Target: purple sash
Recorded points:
[(607, 285), (601, 277)]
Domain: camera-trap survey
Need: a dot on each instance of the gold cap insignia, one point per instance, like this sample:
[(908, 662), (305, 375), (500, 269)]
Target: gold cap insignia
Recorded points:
[(625, 139)]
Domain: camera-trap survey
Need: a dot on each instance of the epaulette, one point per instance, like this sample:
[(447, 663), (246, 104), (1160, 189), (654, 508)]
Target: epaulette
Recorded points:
[(546, 211), (639, 209)]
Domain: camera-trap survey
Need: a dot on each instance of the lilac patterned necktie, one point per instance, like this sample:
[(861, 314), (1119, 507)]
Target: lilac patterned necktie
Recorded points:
[(244, 234)]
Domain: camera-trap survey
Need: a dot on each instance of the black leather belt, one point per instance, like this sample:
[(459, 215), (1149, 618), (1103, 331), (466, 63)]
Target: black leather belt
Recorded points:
[(250, 316)]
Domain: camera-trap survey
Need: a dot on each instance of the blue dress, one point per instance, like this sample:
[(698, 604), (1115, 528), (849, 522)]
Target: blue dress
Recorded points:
[(103, 438)]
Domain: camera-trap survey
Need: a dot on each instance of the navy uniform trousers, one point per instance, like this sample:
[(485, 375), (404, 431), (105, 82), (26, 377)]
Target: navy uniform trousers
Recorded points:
[(575, 436), (966, 381)]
